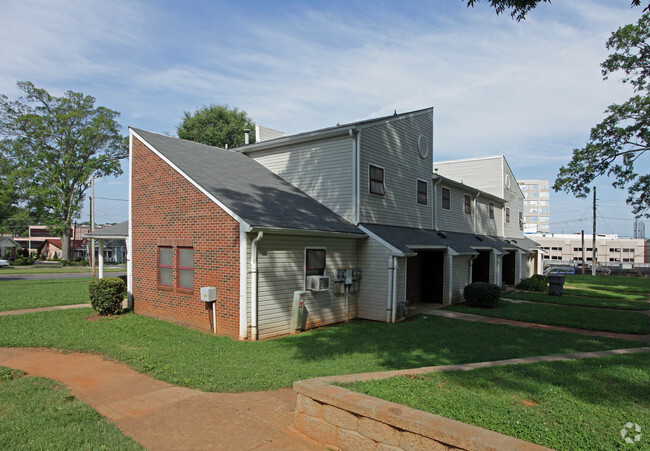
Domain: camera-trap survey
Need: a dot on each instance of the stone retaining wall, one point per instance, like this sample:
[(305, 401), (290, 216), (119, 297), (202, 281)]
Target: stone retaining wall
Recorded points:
[(348, 420)]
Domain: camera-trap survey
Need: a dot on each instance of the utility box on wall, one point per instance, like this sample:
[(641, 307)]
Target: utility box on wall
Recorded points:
[(298, 312), (208, 294)]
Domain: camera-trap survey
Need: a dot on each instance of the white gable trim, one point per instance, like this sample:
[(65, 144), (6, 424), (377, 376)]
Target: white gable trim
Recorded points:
[(221, 205)]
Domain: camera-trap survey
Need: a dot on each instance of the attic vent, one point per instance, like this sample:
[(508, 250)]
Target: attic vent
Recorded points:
[(478, 238), (507, 241), (514, 241), (442, 234)]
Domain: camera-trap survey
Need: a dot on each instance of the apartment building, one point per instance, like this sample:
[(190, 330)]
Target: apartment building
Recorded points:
[(537, 205), (610, 249)]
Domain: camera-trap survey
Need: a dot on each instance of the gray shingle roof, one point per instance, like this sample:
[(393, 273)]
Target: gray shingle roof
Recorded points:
[(252, 192), (114, 232), (408, 240)]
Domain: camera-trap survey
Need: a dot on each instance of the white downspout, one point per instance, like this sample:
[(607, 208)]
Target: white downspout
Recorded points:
[(389, 304), (243, 276), (394, 308), (471, 268), (358, 213), (475, 212), (451, 276), (254, 285)]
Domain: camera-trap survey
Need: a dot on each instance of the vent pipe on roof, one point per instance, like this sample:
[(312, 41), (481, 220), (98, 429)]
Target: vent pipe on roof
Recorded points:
[(247, 136)]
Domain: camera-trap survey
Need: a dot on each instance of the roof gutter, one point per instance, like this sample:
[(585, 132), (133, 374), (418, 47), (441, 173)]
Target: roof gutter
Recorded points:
[(279, 231)]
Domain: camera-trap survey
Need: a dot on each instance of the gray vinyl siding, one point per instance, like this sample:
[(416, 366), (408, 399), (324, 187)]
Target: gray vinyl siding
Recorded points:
[(373, 292), (322, 169), (393, 146), (281, 271), (515, 200), (455, 219), (485, 225), (481, 173), (401, 279), (460, 277)]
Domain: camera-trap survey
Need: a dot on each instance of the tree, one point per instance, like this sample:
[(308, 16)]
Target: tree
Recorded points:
[(216, 125), (519, 8), (617, 144), (54, 146)]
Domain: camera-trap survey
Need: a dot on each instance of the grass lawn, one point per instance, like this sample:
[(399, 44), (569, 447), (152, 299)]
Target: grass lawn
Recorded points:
[(613, 287), (563, 315), (194, 359), (619, 304), (37, 413), (579, 404), (32, 269), (21, 294)]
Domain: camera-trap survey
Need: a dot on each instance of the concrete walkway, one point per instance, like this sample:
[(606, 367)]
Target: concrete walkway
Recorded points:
[(161, 416), (43, 309)]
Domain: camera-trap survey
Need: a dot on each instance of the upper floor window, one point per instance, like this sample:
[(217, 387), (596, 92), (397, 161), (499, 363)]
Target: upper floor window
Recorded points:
[(186, 267), (491, 210), (446, 198), (507, 214), (468, 204), (315, 262), (423, 188), (377, 180)]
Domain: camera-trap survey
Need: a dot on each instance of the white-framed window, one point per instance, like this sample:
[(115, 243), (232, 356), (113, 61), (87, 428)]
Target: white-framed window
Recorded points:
[(446, 199), (507, 214), (376, 180), (491, 208), (423, 190), (468, 204), (315, 261)]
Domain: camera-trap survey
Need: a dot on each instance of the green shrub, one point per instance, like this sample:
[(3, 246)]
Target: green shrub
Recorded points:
[(22, 261), (534, 283), (75, 262), (482, 294), (106, 295)]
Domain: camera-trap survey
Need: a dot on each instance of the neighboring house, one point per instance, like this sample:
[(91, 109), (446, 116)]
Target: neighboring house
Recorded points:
[(37, 234), (50, 249), (291, 214)]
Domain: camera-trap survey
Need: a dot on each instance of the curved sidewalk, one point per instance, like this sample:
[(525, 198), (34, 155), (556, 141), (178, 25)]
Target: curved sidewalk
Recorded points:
[(162, 416)]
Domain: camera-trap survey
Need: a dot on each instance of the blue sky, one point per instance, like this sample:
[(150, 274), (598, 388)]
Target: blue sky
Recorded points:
[(529, 90)]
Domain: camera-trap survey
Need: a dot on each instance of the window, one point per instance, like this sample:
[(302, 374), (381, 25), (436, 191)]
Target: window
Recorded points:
[(166, 266), (315, 262), (446, 198), (507, 214), (533, 203), (423, 188), (186, 267), (533, 194), (545, 194), (531, 218), (491, 210), (377, 180), (544, 203), (468, 204), (521, 218), (533, 186), (577, 249)]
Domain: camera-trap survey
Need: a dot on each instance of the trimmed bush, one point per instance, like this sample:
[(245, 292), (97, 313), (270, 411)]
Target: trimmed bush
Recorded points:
[(534, 283), (22, 261), (106, 295), (482, 294)]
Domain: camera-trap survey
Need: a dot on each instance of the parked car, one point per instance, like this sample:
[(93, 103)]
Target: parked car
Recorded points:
[(562, 270), (4, 263)]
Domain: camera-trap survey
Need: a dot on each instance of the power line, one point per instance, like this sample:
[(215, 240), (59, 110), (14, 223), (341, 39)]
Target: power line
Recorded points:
[(108, 198)]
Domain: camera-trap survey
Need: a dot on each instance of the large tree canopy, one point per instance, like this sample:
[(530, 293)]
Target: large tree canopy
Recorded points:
[(216, 125), (53, 146), (619, 145), (519, 8)]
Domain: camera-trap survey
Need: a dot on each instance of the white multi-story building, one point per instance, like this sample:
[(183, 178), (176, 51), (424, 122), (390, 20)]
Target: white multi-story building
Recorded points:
[(610, 249), (537, 205)]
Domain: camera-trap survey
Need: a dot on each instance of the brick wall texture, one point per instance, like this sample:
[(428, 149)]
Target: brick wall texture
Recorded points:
[(167, 210)]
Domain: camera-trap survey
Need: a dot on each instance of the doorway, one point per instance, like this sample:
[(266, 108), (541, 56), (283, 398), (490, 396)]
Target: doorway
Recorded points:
[(425, 277), (481, 267), (508, 263)]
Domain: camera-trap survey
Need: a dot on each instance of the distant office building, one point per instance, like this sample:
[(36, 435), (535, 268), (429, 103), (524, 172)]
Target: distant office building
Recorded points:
[(537, 206), (639, 229), (610, 249)]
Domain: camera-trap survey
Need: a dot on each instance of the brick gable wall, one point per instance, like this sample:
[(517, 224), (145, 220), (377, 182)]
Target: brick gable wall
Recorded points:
[(167, 210)]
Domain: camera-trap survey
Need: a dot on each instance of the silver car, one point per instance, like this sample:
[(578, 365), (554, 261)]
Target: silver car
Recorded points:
[(4, 263)]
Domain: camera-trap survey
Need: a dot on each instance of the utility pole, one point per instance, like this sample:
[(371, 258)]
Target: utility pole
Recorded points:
[(593, 254), (583, 252), (92, 227)]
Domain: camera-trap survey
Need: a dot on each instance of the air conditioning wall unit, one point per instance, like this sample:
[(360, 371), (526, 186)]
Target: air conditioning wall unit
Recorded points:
[(318, 283)]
